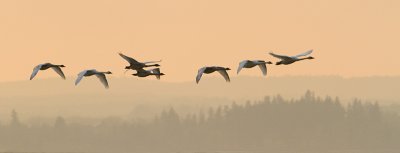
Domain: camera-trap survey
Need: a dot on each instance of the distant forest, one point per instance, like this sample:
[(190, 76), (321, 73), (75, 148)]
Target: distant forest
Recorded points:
[(273, 124)]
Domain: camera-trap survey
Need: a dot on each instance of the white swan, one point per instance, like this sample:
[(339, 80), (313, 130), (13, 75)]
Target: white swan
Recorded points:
[(250, 64), (46, 66), (286, 60), (144, 73), (100, 75), (211, 69), (135, 65)]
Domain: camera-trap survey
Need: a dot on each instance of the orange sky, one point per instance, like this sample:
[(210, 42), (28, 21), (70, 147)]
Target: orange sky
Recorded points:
[(350, 37)]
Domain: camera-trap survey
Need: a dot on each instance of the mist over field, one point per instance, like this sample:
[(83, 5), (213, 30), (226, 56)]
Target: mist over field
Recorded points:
[(250, 114), (141, 98)]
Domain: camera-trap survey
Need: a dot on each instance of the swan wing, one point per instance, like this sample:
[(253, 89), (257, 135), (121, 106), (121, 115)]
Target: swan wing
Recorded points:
[(152, 62), (200, 73), (129, 59), (103, 79), (80, 77), (304, 54), (59, 71), (35, 71), (241, 65), (282, 57), (156, 72), (225, 75), (263, 68)]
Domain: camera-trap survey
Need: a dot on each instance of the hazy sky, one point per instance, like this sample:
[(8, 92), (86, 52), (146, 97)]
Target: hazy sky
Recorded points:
[(350, 37)]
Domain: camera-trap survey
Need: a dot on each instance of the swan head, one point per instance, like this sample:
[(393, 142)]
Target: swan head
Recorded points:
[(161, 74), (157, 65), (227, 68), (108, 72), (62, 65), (310, 57)]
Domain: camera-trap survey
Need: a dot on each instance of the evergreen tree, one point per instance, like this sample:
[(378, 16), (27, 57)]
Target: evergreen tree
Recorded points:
[(60, 123), (15, 119)]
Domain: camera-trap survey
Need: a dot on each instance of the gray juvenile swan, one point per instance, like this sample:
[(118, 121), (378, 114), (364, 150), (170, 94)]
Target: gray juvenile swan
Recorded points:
[(46, 66), (250, 64), (144, 73), (135, 65), (211, 69), (100, 75), (286, 60)]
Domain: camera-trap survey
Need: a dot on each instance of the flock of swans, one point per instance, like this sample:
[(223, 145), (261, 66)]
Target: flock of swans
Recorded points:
[(139, 67)]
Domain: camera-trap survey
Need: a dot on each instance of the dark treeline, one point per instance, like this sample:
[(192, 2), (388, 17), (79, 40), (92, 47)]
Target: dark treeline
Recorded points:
[(274, 124)]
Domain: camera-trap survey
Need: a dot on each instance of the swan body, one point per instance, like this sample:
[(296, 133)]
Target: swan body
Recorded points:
[(100, 75), (286, 60), (144, 73), (45, 66), (252, 63), (211, 69), (135, 65)]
